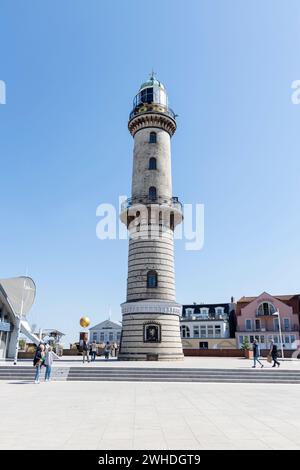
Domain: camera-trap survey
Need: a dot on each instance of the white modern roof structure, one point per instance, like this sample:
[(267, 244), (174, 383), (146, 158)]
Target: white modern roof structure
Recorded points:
[(18, 294)]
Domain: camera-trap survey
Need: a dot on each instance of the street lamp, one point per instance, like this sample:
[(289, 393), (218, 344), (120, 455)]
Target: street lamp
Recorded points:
[(280, 333)]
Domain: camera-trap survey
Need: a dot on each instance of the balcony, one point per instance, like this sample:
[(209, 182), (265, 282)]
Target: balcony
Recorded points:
[(162, 203), (267, 328), (205, 317), (152, 108), (145, 200)]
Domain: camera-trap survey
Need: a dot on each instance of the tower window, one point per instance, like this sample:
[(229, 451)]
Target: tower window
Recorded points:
[(152, 163), (172, 221), (152, 279), (152, 193), (152, 138)]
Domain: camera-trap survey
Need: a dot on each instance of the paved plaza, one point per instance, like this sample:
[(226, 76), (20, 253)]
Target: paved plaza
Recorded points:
[(103, 415)]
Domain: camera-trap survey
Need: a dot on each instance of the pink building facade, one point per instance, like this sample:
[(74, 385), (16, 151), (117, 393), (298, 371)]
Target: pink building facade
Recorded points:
[(257, 319)]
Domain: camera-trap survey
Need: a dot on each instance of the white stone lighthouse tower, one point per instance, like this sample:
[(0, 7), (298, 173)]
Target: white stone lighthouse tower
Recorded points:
[(150, 314)]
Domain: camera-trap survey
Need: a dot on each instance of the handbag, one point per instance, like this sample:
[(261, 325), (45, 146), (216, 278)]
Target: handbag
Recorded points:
[(269, 358)]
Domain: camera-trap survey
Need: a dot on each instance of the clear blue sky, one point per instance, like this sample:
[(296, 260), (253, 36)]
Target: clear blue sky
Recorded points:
[(71, 69)]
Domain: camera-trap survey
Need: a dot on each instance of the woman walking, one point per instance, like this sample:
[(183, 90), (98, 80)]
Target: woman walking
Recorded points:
[(274, 354), (255, 349), (38, 361), (94, 350), (49, 357)]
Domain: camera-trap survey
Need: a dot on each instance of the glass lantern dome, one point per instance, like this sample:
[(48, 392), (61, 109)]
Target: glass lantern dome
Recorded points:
[(151, 97)]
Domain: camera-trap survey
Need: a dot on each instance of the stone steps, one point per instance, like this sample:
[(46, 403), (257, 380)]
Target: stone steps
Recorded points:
[(139, 374)]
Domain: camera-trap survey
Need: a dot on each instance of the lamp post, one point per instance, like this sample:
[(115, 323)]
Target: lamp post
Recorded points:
[(280, 332), (19, 325)]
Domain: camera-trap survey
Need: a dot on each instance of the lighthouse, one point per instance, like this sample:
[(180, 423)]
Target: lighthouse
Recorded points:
[(150, 326)]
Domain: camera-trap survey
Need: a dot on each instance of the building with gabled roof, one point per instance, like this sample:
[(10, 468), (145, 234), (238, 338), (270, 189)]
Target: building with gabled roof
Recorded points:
[(106, 331), (257, 318)]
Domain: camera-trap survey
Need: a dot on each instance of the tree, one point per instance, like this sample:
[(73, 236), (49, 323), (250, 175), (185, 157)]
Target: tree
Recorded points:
[(246, 344)]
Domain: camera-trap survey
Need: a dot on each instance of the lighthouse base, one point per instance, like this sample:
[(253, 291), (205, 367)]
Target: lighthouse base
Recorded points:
[(151, 331)]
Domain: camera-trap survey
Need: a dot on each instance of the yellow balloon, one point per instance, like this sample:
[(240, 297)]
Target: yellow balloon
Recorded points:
[(84, 322)]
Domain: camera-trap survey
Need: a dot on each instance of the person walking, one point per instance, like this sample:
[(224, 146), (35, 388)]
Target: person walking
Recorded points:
[(38, 361), (49, 357), (274, 354), (94, 350), (107, 350), (255, 349), (86, 350)]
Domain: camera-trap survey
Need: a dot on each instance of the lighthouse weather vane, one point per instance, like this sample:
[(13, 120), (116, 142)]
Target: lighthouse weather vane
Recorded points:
[(152, 74)]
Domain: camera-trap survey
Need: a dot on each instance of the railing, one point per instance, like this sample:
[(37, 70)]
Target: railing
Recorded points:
[(145, 200), (152, 108), (201, 317), (268, 329)]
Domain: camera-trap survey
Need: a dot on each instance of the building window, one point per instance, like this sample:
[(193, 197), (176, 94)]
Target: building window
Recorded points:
[(152, 138), (152, 163), (251, 339), (218, 331), (152, 193), (293, 338), (219, 311), (241, 339), (102, 336), (151, 279), (266, 308), (203, 345), (276, 324), (286, 324), (118, 335), (287, 339), (203, 331), (210, 331), (196, 331), (185, 331), (262, 339), (204, 313), (248, 324), (146, 95), (172, 221), (95, 336), (257, 325), (189, 311), (111, 336)]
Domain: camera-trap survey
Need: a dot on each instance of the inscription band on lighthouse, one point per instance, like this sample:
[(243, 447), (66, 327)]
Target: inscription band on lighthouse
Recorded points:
[(151, 314)]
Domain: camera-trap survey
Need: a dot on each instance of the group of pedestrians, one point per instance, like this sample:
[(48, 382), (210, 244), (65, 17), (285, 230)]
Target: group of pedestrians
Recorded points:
[(90, 349), (272, 356), (43, 357)]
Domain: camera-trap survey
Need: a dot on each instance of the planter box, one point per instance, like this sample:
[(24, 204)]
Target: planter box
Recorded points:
[(248, 354)]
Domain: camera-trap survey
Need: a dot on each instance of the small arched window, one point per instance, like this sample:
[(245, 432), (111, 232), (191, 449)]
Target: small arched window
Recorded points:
[(152, 139), (152, 163), (151, 279), (152, 193)]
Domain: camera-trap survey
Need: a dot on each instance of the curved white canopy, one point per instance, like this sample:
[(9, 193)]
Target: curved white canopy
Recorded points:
[(20, 293)]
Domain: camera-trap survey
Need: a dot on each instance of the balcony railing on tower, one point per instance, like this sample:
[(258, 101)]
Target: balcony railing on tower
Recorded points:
[(172, 202)]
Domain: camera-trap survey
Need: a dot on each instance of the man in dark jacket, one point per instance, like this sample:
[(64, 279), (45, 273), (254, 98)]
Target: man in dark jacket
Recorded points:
[(274, 354)]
